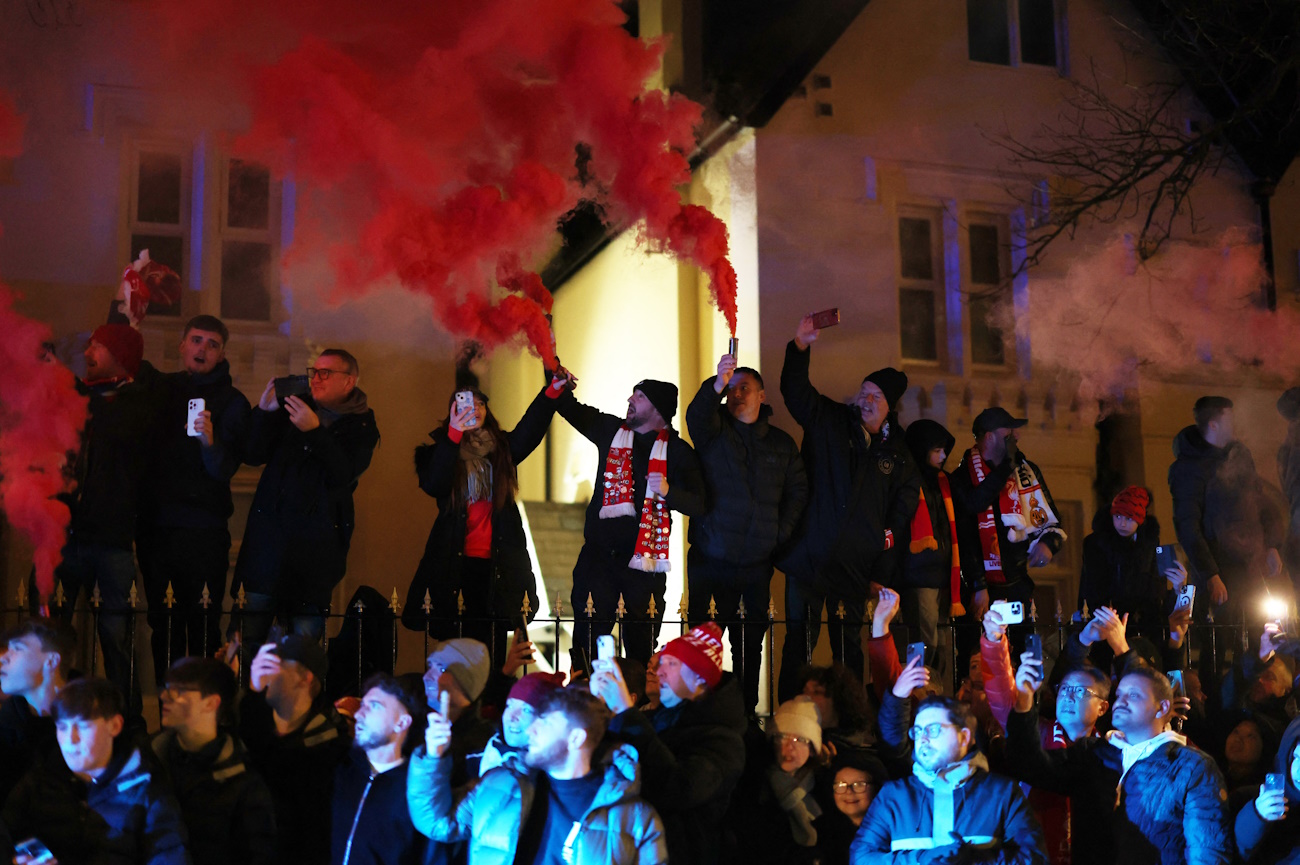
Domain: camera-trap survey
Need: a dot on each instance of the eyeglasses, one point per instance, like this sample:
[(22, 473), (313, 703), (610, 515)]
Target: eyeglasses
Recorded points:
[(929, 731), (1077, 692), (845, 786), (324, 374), (797, 740)]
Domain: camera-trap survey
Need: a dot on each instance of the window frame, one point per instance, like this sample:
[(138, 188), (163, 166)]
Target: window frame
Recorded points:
[(935, 285), (183, 228), (1016, 53), (1002, 222)]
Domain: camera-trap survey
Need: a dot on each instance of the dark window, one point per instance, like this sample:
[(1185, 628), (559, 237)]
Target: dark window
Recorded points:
[(987, 342), (988, 31), (248, 200), (245, 280), (164, 249), (915, 249), (985, 255), (1038, 32), (158, 189), (917, 324)]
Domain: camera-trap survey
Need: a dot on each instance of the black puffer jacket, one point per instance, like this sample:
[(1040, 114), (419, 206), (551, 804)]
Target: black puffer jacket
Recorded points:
[(226, 806), (858, 490), (929, 569), (300, 525), (692, 755), (444, 552), (188, 484), (755, 479), (1225, 516), (126, 816), (1121, 573), (1263, 843)]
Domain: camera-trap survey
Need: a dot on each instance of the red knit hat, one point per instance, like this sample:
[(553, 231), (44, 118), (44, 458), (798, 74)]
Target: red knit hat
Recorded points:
[(1132, 503), (123, 342), (701, 650), (534, 687)]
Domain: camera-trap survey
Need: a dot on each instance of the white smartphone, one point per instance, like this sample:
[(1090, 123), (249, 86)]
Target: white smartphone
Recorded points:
[(1186, 597), (605, 649), (195, 409), (1011, 612), (465, 399)]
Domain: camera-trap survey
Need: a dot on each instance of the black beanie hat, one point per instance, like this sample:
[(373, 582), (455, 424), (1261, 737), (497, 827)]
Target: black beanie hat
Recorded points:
[(662, 396), (892, 383)]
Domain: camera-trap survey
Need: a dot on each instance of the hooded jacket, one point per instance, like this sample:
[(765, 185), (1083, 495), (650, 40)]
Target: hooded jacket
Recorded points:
[(1278, 843), (1172, 811), (226, 806), (755, 479), (371, 823), (619, 827), (929, 569), (300, 524), (126, 815), (1121, 573), (1224, 514), (862, 494), (692, 755)]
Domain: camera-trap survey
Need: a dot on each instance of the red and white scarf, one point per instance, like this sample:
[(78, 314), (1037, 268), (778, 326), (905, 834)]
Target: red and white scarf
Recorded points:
[(1025, 513), (651, 551)]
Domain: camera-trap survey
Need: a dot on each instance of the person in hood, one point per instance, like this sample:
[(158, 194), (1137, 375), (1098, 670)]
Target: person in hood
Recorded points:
[(1229, 523), (569, 801), (951, 807), (295, 547), (757, 492), (184, 539), (1268, 827), (1139, 795), (862, 492), (932, 577)]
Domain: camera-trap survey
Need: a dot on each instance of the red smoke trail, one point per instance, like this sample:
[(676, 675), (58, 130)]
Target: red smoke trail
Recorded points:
[(41, 416), (448, 135)]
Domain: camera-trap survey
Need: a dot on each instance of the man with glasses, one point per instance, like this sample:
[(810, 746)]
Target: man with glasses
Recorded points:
[(300, 526), (1140, 795), (950, 808)]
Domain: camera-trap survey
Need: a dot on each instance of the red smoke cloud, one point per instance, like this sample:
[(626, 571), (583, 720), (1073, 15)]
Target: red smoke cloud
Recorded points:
[(451, 137), (41, 416)]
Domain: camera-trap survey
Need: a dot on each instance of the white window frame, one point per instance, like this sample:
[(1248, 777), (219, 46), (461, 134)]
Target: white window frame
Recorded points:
[(935, 284)]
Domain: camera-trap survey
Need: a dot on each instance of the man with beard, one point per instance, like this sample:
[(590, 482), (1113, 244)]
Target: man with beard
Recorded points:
[(1140, 795), (564, 807), (645, 470), (862, 492), (951, 806), (371, 823), (184, 541)]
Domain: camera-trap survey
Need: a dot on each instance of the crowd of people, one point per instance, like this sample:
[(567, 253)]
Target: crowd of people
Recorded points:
[(1088, 751)]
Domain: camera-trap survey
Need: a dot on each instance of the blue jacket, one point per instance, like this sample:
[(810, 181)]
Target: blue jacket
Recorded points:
[(1260, 842), (619, 828), (990, 814), (1174, 805)]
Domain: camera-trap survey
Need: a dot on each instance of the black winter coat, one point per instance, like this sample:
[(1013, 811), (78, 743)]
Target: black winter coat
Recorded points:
[(692, 755), (755, 479), (858, 490), (1121, 573), (439, 571), (969, 501), (1173, 810), (617, 536), (111, 467), (929, 569), (226, 806), (299, 770), (126, 816), (371, 823), (300, 525), (188, 484), (26, 740), (1224, 514)]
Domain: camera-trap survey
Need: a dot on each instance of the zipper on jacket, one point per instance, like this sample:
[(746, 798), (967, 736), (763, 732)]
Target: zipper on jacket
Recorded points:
[(356, 818)]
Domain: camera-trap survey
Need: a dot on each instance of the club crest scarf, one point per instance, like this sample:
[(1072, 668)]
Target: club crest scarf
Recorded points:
[(651, 550), (1025, 513)]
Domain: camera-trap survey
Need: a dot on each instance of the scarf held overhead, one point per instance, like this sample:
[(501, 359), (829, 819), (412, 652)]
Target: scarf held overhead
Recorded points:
[(1024, 509), (651, 551)]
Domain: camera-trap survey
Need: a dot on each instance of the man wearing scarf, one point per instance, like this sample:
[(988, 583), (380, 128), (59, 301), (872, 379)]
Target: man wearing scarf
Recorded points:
[(951, 808), (300, 525), (1141, 795), (1007, 522), (645, 470)]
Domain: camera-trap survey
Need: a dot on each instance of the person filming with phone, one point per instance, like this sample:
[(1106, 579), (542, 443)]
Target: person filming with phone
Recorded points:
[(1268, 827), (315, 447)]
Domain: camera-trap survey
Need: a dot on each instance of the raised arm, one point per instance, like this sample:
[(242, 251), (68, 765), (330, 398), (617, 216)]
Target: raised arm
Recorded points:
[(532, 427)]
